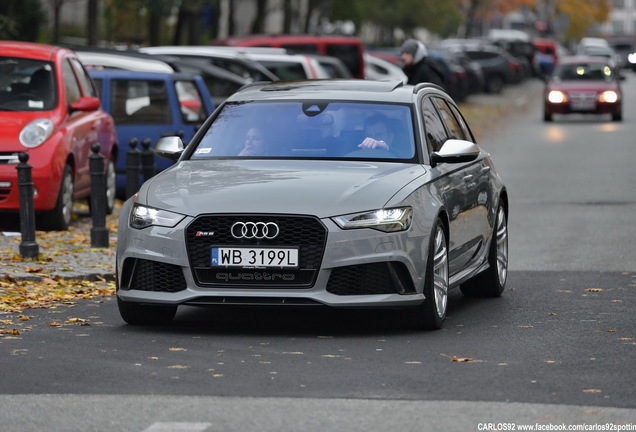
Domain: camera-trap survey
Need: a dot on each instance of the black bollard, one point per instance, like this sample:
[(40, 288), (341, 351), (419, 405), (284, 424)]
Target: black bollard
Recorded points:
[(133, 157), (147, 159), (28, 246), (99, 232)]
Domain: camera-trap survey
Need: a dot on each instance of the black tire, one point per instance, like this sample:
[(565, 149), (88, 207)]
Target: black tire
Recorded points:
[(430, 315), (494, 84), (617, 117), (138, 314), (547, 117), (492, 282), (60, 217)]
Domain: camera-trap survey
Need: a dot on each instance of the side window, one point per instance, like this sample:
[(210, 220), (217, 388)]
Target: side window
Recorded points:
[(190, 102), (87, 84), (435, 132), (98, 87), (454, 129), (222, 88), (349, 54), (285, 70), (73, 92), (140, 102), (462, 123)]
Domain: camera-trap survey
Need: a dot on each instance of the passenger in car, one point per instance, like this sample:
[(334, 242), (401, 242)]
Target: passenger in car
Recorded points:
[(255, 143), (377, 132)]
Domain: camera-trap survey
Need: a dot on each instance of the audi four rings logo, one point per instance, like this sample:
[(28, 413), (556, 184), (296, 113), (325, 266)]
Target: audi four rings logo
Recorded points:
[(255, 230)]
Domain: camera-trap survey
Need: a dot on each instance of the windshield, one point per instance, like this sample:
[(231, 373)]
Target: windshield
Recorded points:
[(26, 85), (310, 129), (583, 71)]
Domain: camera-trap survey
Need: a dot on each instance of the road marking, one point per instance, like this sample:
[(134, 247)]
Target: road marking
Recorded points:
[(178, 427)]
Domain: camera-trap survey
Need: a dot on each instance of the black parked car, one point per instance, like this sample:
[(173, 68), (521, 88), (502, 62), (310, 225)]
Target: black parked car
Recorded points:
[(495, 62), (475, 81)]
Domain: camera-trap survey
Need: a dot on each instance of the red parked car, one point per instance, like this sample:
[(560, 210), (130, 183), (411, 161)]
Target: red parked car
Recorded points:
[(49, 109), (585, 85)]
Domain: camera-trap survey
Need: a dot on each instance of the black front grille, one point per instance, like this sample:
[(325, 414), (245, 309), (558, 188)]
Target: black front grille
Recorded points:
[(369, 279), (306, 233), (147, 275)]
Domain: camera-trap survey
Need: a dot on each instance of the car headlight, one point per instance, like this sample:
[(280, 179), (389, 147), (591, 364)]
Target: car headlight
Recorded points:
[(36, 132), (632, 58), (387, 220), (608, 96), (556, 96), (143, 217)]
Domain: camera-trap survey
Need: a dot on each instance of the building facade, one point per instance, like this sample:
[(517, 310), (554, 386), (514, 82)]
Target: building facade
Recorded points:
[(622, 20)]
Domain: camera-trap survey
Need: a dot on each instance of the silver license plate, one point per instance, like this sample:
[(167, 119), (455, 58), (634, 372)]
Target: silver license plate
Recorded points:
[(583, 106), (254, 257)]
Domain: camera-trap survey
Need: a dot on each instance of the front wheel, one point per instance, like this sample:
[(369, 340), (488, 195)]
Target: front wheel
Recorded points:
[(138, 314), (59, 218), (491, 282), (431, 313)]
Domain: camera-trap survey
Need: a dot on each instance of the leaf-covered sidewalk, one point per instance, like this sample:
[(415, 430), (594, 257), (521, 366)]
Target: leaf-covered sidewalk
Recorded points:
[(67, 269)]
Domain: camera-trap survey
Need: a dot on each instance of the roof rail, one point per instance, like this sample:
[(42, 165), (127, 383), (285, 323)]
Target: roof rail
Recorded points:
[(422, 85)]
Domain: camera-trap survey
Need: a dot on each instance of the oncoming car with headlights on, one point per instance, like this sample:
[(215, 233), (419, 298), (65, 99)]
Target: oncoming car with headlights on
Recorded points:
[(344, 193), (583, 85)]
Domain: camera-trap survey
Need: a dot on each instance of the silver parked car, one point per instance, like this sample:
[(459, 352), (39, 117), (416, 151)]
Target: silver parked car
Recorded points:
[(344, 193)]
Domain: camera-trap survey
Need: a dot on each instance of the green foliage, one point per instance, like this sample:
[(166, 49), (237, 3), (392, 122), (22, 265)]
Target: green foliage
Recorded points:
[(20, 19), (441, 17)]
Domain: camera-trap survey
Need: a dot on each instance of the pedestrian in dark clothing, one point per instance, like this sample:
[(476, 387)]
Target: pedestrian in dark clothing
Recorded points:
[(416, 64)]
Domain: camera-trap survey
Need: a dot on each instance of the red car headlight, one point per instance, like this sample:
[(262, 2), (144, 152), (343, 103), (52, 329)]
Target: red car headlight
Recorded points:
[(556, 96), (36, 132), (608, 96)]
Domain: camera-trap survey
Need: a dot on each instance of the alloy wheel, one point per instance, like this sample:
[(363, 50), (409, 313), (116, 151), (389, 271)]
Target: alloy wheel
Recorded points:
[(440, 272)]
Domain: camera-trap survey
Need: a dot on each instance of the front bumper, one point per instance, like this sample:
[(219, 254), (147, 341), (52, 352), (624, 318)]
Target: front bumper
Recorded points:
[(351, 268), (598, 108), (45, 183)]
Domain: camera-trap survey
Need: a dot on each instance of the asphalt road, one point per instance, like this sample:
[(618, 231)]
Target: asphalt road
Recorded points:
[(558, 348)]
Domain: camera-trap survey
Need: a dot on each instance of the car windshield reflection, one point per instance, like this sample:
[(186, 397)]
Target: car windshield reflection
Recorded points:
[(584, 72), (27, 85), (312, 129)]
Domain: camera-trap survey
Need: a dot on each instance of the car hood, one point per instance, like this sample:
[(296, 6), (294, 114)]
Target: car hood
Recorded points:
[(321, 188)]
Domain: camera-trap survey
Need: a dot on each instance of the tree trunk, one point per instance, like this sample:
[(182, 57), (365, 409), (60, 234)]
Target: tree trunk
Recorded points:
[(471, 17), (287, 16), (258, 26), (57, 11), (154, 23), (93, 22)]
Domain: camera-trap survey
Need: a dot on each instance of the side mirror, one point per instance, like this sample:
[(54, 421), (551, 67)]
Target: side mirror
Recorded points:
[(455, 151), (85, 103), (169, 148)]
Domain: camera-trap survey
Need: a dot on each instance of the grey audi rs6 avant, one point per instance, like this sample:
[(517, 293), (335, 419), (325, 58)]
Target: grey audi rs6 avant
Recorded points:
[(340, 193)]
